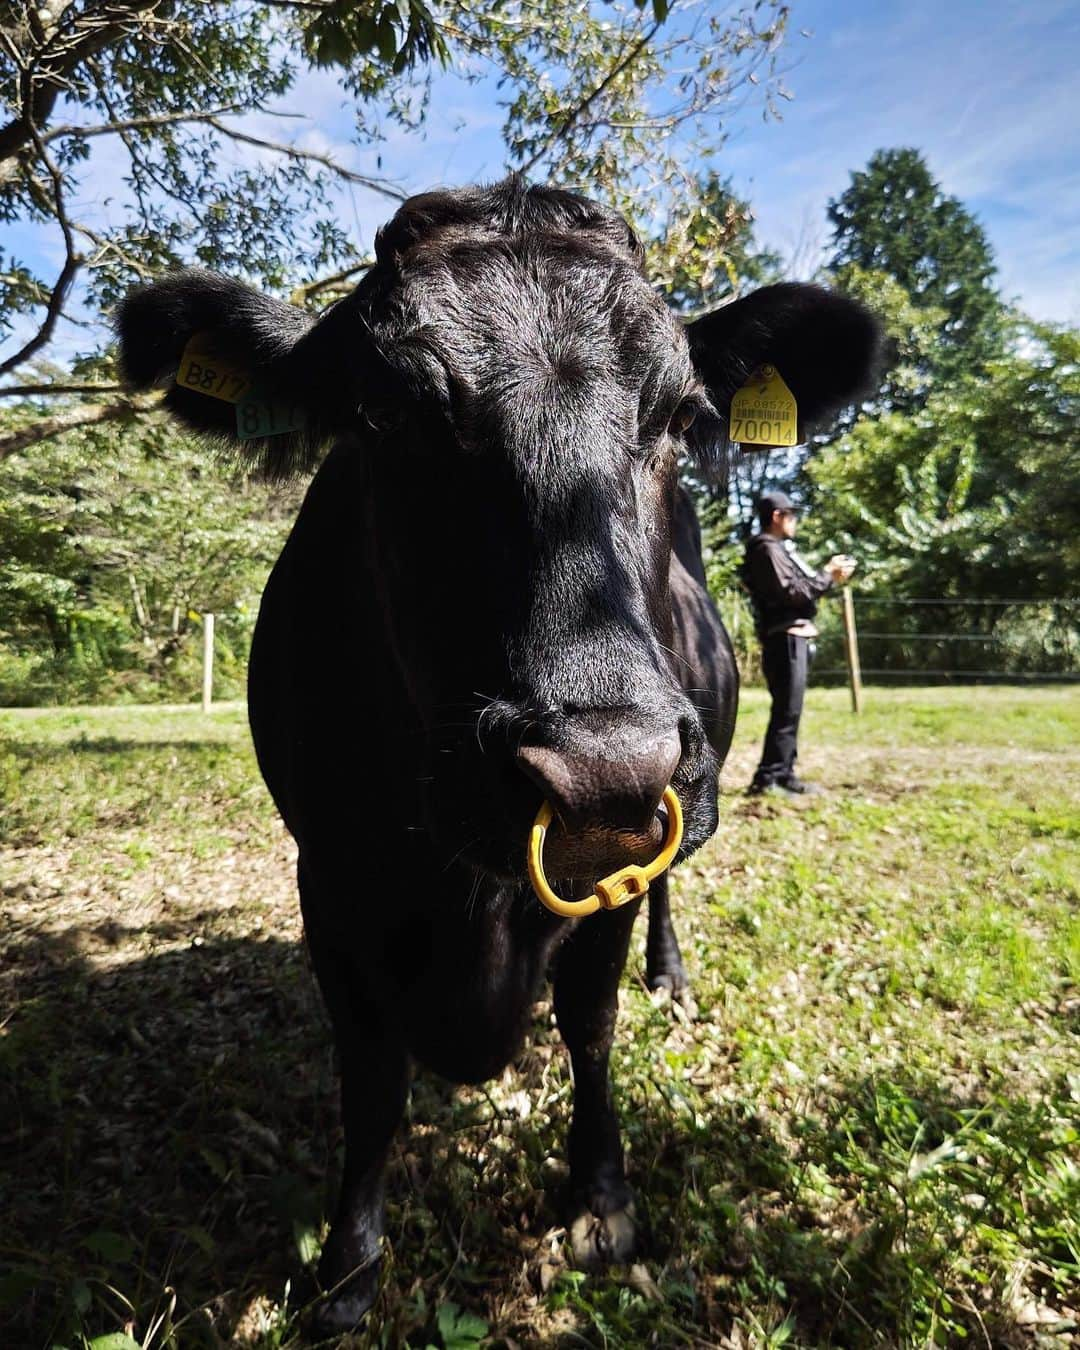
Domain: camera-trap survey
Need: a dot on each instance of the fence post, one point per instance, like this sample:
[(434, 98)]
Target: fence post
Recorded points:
[(851, 650), (207, 662)]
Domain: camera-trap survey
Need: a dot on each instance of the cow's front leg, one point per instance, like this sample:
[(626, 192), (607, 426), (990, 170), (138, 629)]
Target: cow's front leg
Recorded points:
[(586, 1004), (664, 967), (374, 1087)]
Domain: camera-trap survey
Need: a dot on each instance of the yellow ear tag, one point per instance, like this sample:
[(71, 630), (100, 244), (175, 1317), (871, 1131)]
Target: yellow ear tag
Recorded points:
[(203, 371), (763, 411)]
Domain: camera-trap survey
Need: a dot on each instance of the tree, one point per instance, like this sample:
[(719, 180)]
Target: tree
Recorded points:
[(190, 96), (706, 251), (974, 496), (911, 333), (895, 220), (113, 548)]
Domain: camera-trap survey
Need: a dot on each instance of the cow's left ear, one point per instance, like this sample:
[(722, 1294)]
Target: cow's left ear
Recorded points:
[(239, 367), (824, 345)]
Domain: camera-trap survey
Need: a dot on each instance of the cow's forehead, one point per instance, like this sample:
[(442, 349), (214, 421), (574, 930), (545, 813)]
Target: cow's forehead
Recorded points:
[(554, 305), (529, 279), (509, 208)]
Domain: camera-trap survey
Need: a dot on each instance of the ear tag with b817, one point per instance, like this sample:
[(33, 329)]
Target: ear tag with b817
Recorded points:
[(203, 371), (763, 411)]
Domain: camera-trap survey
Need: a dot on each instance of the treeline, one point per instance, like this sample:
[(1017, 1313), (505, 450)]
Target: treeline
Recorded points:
[(959, 481), (114, 545), (135, 138)]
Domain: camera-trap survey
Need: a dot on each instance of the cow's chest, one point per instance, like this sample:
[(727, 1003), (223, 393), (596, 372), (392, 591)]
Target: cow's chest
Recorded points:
[(466, 972)]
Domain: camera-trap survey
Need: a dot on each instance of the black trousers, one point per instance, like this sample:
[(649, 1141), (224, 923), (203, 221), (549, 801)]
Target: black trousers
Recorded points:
[(785, 660)]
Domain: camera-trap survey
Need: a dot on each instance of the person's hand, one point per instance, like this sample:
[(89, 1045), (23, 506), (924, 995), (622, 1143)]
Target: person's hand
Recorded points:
[(840, 567)]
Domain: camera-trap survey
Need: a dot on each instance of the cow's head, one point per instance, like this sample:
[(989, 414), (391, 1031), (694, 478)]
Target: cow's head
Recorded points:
[(520, 398)]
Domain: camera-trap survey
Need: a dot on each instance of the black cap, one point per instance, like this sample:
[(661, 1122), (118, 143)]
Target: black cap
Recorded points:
[(773, 501)]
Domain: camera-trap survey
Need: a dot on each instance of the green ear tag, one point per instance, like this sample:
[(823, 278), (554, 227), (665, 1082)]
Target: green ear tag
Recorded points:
[(259, 415), (763, 411)]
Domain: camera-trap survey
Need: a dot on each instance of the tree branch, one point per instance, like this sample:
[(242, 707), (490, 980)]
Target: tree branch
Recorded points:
[(310, 288), (105, 245), (49, 390), (45, 428), (312, 156), (583, 107), (72, 263), (142, 123), (42, 81)]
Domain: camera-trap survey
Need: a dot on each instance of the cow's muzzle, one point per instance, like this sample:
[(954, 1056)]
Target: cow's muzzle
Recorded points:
[(604, 781)]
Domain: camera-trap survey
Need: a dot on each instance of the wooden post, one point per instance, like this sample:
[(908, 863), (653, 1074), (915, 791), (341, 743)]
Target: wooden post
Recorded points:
[(207, 662), (851, 650)]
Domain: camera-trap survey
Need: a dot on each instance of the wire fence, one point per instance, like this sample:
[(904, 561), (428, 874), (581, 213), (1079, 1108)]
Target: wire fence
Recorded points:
[(914, 640), (108, 660), (931, 639)]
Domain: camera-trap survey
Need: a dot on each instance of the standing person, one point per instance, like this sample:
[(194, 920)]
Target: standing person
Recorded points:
[(785, 591)]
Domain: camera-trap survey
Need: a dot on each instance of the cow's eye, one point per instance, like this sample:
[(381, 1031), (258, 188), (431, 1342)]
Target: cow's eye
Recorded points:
[(683, 416)]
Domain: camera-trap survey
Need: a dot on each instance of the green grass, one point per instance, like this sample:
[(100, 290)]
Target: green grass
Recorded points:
[(870, 1135)]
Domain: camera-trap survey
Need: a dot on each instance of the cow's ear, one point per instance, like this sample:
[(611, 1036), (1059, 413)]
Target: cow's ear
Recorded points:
[(237, 366), (824, 345)]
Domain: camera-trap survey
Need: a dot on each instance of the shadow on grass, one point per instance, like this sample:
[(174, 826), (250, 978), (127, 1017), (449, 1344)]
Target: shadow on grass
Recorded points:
[(163, 1122), (170, 1123)]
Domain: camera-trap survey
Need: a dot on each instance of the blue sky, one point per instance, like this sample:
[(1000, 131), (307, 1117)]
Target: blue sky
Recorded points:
[(988, 92)]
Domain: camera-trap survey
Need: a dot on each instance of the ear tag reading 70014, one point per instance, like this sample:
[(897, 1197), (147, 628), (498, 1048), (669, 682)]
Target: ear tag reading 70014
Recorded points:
[(763, 411)]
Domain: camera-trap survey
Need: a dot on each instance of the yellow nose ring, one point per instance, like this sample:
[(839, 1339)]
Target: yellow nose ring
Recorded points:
[(629, 883)]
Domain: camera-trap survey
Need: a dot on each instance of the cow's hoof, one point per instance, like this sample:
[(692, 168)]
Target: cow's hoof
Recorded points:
[(677, 987), (609, 1240), (337, 1314)]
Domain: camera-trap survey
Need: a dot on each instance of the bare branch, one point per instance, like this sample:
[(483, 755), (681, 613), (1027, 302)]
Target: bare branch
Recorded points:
[(45, 428), (141, 123), (72, 263), (312, 156), (50, 390), (623, 64)]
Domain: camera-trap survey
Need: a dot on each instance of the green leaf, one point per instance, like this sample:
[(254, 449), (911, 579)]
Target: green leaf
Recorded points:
[(366, 34), (16, 1287), (114, 1340), (459, 1330), (306, 1237), (109, 1246), (332, 47), (386, 37), (200, 1237)]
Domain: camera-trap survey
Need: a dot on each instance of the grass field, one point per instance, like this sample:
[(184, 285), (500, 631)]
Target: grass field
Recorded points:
[(870, 1135)]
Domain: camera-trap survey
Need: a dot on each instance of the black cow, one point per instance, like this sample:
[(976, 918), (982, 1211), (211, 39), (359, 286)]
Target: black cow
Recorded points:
[(493, 595)]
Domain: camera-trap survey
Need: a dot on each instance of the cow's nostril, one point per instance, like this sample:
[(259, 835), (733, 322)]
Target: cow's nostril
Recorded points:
[(612, 783)]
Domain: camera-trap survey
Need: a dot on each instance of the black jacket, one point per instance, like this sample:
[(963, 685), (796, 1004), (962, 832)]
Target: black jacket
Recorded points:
[(782, 587)]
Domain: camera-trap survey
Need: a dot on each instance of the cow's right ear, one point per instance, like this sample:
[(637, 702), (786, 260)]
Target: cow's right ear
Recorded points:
[(237, 366)]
